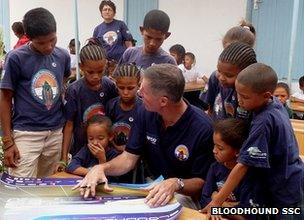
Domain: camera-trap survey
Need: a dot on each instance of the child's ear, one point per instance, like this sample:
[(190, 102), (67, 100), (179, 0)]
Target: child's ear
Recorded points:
[(141, 28), (167, 35), (267, 95)]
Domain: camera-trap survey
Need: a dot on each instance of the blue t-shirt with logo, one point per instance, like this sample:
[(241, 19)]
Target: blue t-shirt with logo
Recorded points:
[(272, 147), (122, 120), (183, 150), (82, 103), (247, 194), (112, 37), (37, 83), (141, 60)]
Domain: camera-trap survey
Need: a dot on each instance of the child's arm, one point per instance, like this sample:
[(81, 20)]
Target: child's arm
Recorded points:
[(11, 152), (80, 161), (234, 178), (67, 137), (80, 171)]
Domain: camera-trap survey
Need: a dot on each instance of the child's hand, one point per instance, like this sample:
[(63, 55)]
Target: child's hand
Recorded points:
[(98, 151)]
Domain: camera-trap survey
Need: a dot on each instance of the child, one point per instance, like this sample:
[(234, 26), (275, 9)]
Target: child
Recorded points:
[(244, 33), (97, 150), (122, 109), (113, 35), (154, 31), (299, 96), (271, 148), (34, 78), (228, 137), (234, 58), (282, 93), (188, 68), (86, 97), (18, 30), (178, 52), (72, 50)]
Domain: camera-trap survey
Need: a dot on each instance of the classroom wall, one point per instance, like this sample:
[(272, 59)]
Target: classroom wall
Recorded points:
[(197, 24)]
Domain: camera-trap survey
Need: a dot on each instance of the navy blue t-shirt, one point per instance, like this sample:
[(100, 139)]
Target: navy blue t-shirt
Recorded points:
[(183, 150), (272, 146), (112, 37), (247, 194), (141, 60), (84, 158), (82, 103), (122, 120), (37, 83)]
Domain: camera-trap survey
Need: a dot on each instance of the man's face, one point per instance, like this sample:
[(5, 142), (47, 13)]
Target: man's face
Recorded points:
[(150, 98), (44, 44), (153, 39)]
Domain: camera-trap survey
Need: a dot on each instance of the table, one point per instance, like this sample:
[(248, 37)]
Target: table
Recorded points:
[(296, 106), (298, 128), (186, 214), (195, 86)]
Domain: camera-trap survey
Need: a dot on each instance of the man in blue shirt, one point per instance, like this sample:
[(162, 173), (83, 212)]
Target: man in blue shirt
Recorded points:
[(173, 136)]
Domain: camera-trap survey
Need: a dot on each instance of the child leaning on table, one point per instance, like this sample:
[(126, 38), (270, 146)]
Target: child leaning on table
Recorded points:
[(271, 148), (228, 137), (97, 149)]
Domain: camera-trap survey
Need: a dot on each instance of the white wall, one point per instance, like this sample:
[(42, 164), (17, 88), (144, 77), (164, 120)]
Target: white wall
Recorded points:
[(199, 26), (63, 10), (196, 24)]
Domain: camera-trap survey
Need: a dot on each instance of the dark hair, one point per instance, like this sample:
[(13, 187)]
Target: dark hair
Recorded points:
[(17, 27), (109, 3), (259, 78), (39, 22), (72, 43), (100, 119), (92, 52), (244, 33), (238, 54), (284, 86), (233, 131), (301, 81), (180, 51), (127, 70), (157, 20), (167, 78)]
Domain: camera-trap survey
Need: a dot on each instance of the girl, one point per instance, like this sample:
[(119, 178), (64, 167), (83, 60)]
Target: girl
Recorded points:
[(97, 150), (86, 97), (244, 33), (188, 68), (228, 137), (234, 58), (122, 109), (282, 93)]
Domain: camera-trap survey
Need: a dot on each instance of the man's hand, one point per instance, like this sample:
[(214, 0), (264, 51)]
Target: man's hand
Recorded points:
[(87, 186), (11, 157), (162, 193)]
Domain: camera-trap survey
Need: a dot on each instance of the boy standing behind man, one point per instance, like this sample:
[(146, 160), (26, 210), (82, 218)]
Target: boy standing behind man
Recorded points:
[(33, 80), (154, 31)]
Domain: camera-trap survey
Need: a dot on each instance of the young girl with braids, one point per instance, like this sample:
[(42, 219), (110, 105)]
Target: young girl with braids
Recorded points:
[(234, 58), (86, 97), (122, 109), (244, 33)]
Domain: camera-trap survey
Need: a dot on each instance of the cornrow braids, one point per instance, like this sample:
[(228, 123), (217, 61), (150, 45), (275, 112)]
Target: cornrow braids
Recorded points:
[(239, 54), (127, 70), (92, 52)]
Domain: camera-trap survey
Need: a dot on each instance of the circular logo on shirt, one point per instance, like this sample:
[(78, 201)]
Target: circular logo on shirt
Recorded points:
[(95, 109), (181, 152), (121, 132), (101, 94), (131, 119), (44, 88), (110, 37)]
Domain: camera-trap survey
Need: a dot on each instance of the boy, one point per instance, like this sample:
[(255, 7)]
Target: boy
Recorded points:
[(33, 80), (299, 96), (154, 31), (271, 149)]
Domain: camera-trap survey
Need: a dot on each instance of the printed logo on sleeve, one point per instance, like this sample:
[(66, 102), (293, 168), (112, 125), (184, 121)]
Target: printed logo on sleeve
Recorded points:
[(254, 152)]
